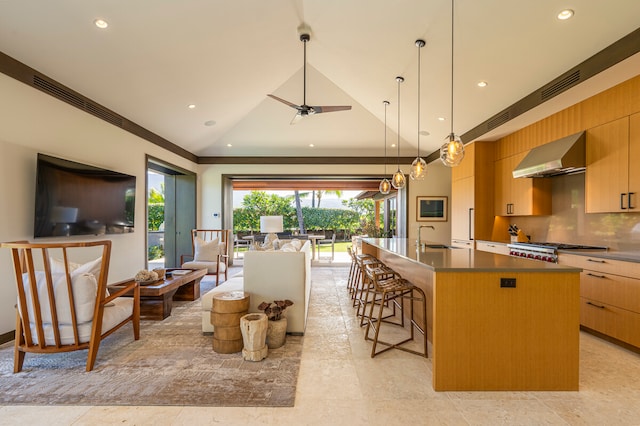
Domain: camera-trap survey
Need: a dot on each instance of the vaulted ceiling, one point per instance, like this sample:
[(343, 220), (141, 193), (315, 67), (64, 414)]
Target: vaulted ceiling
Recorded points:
[(157, 57)]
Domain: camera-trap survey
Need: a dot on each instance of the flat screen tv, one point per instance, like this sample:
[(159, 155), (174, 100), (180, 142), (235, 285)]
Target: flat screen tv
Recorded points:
[(78, 199)]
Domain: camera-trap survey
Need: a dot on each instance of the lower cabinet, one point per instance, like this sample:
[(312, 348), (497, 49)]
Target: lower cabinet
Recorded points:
[(609, 296), (492, 247), (463, 243)]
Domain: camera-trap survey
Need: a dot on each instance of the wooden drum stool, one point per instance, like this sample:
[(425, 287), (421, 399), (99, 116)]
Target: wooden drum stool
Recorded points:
[(226, 311)]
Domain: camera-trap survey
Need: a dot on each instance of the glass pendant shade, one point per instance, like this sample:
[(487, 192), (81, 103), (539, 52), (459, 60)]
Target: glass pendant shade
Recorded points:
[(385, 186), (452, 151), (418, 169), (398, 181), (419, 166)]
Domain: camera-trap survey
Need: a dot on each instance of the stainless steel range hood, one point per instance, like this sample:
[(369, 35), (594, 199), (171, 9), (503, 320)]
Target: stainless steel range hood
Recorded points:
[(560, 157)]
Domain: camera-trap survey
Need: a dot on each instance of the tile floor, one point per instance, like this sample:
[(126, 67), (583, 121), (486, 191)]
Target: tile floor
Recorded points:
[(339, 384)]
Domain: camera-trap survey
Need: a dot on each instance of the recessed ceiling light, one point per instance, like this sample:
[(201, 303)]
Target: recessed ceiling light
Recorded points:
[(191, 106), (482, 84), (101, 23), (210, 123), (229, 145), (441, 118), (311, 145), (393, 145), (565, 14)]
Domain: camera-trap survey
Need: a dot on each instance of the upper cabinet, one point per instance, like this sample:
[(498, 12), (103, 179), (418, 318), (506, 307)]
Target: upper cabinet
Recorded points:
[(472, 195), (612, 180), (522, 196)]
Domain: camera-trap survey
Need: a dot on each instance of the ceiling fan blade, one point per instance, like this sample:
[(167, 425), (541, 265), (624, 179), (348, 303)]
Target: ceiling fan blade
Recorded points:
[(296, 118), (319, 109), (292, 105)]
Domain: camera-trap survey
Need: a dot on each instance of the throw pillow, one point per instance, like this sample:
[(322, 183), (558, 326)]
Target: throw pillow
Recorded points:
[(76, 269), (296, 243), (289, 248), (206, 251)]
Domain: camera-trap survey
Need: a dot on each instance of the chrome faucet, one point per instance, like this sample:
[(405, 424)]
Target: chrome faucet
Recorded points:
[(419, 229)]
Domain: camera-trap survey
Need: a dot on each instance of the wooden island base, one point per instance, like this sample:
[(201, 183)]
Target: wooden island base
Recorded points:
[(487, 336)]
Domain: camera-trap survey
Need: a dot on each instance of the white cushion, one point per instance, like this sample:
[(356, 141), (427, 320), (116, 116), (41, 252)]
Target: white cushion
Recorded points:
[(296, 243), (84, 288), (206, 251), (92, 267), (209, 266), (288, 247)]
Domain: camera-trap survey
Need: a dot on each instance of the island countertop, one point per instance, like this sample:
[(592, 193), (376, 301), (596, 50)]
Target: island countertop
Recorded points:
[(461, 259)]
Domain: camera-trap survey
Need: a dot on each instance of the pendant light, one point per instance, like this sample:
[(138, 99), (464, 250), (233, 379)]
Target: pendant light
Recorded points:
[(398, 181), (385, 185), (452, 152), (419, 166)]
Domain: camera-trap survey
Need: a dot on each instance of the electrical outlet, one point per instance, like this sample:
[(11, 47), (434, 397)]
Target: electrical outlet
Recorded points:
[(507, 282)]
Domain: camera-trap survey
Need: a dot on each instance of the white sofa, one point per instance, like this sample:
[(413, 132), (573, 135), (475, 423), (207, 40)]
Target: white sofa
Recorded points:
[(269, 276)]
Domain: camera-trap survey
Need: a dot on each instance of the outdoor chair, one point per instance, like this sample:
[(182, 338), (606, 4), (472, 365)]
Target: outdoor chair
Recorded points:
[(239, 243), (64, 306), (209, 251), (326, 243)]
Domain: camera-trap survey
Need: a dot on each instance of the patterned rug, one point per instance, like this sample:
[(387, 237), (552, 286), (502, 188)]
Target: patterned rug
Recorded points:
[(171, 364)]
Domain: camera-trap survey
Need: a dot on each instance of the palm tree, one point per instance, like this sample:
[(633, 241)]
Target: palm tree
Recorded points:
[(299, 212), (319, 194)]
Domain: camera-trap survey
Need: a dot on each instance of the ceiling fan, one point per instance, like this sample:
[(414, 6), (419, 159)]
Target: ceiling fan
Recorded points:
[(305, 110)]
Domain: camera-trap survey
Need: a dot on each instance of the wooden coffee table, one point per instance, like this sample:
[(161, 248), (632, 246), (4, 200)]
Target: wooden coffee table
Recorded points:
[(156, 300)]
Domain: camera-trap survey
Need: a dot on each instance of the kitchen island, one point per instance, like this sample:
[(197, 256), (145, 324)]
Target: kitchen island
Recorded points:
[(495, 322)]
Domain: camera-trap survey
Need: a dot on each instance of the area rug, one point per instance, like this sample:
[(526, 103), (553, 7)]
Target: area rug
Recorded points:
[(173, 363)]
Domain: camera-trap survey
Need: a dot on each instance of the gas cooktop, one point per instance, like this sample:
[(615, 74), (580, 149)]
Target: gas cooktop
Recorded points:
[(564, 246)]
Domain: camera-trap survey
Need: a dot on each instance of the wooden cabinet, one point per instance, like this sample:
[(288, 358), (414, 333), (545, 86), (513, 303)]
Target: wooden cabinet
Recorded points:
[(472, 195), (462, 208), (612, 181), (492, 247), (522, 196), (609, 296)]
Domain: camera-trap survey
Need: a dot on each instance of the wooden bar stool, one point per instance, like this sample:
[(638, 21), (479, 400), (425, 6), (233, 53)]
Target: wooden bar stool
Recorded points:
[(361, 281), (356, 278), (395, 291), (380, 273)]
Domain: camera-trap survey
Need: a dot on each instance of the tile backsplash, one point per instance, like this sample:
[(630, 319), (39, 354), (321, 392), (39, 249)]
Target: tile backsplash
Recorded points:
[(570, 224)]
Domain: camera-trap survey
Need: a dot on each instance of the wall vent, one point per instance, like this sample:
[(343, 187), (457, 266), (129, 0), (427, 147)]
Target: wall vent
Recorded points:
[(560, 86), (76, 100), (58, 92), (103, 113)]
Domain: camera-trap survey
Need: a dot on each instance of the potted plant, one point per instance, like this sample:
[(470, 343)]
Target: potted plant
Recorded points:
[(277, 327)]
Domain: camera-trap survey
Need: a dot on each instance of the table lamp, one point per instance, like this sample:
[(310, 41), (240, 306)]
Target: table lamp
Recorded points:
[(270, 225)]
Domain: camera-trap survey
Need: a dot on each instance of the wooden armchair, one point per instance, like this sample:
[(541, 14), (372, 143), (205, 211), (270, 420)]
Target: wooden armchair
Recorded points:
[(64, 306), (209, 251)]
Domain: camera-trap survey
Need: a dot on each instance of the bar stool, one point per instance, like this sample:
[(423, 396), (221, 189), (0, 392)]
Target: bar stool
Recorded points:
[(382, 274), (395, 291), (352, 271), (361, 281)]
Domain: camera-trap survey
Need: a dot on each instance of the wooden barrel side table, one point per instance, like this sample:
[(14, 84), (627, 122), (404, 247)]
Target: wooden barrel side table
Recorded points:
[(226, 311)]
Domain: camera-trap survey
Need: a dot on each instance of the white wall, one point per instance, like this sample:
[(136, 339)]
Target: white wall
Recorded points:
[(32, 122)]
